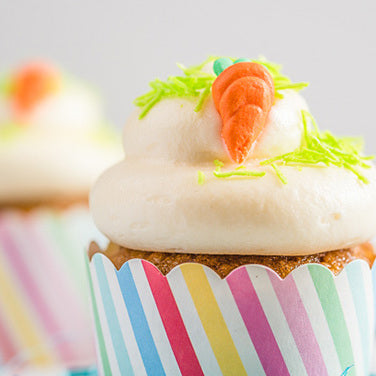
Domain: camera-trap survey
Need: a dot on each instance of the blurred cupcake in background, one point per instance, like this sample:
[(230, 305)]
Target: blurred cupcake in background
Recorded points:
[(54, 142)]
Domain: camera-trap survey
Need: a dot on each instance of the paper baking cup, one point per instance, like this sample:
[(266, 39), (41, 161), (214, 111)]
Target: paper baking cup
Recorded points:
[(45, 313), (373, 242), (192, 322)]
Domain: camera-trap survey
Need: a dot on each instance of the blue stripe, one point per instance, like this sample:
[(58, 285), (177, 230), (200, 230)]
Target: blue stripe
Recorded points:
[(112, 320), (354, 274), (145, 342)]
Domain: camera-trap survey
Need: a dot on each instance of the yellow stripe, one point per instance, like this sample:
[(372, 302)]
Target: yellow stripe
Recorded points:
[(212, 320), (18, 318)]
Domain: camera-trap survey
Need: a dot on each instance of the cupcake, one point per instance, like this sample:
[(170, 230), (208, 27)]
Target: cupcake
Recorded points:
[(239, 233), (54, 142)]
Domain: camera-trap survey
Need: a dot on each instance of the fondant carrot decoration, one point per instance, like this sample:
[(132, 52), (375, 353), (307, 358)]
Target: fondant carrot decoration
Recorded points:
[(31, 84), (243, 94)]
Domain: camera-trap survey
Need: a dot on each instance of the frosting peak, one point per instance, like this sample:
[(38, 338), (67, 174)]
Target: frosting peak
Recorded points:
[(173, 131)]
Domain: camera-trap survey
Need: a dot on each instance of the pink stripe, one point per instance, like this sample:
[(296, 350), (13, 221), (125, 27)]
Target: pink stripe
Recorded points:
[(32, 289), (299, 323), (172, 321), (76, 345), (71, 311), (8, 348), (257, 324)]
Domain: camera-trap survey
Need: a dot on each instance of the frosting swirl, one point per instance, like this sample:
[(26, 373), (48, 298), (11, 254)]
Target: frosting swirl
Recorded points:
[(151, 199), (53, 141)]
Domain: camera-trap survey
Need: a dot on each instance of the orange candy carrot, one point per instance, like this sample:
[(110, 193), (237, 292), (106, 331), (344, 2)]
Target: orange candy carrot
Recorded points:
[(243, 95), (31, 84)]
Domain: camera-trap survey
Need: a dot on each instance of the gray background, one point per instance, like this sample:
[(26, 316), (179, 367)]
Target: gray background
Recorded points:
[(121, 45)]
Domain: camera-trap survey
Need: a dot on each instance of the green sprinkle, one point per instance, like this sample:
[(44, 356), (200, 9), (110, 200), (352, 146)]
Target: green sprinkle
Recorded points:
[(221, 64), (279, 173), (296, 86), (323, 149), (148, 106), (306, 114), (203, 95), (197, 69), (239, 171), (281, 82), (218, 164), (229, 174), (355, 172), (196, 84), (201, 177)]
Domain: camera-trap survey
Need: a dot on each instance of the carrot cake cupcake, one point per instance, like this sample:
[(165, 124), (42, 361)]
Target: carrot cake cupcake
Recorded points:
[(235, 210), (54, 142)]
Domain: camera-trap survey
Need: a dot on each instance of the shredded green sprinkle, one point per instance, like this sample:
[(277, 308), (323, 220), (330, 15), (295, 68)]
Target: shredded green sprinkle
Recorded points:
[(241, 167), (239, 171), (323, 148), (296, 86), (218, 165), (279, 173), (196, 83), (318, 149), (281, 82), (201, 177)]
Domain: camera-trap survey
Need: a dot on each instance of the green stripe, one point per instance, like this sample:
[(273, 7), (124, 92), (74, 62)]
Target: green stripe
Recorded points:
[(331, 305), (102, 346)]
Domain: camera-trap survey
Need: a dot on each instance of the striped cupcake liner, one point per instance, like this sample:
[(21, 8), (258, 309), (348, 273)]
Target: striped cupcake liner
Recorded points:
[(373, 242), (45, 313), (191, 322)]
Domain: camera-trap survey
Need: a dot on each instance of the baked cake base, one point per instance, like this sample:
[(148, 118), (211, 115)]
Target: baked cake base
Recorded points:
[(224, 264)]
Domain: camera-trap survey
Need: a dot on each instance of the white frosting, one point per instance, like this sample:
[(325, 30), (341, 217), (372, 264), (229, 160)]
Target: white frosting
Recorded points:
[(74, 109), (35, 167), (173, 131), (151, 206), (58, 152), (152, 201)]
